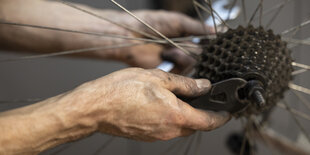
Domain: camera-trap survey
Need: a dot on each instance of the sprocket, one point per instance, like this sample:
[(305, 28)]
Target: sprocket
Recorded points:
[(253, 54)]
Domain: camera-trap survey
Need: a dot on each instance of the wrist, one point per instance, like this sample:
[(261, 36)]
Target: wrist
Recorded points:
[(40, 126), (59, 122), (71, 113)]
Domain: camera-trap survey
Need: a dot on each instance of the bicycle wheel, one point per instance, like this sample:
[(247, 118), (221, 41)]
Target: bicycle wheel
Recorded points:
[(283, 128)]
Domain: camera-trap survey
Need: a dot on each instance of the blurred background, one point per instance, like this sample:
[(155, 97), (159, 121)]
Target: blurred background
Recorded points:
[(47, 77)]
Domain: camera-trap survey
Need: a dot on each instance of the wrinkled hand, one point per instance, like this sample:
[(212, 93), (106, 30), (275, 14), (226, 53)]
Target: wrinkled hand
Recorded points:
[(144, 105)]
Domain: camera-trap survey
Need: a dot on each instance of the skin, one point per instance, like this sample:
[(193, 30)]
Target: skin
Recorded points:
[(141, 104), (57, 15)]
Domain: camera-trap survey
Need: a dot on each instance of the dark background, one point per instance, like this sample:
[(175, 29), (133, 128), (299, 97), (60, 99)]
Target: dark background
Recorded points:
[(47, 77)]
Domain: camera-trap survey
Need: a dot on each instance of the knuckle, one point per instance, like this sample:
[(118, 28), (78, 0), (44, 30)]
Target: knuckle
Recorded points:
[(160, 75), (190, 85), (177, 119)]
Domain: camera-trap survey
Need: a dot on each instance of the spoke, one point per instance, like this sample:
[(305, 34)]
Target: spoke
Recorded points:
[(296, 28), (297, 41), (200, 16), (251, 137), (302, 129), (105, 144), (261, 12), (190, 38), (303, 100), (297, 72), (257, 130), (186, 142), (299, 88), (276, 14), (274, 8), (198, 143), (230, 9), (295, 112), (189, 145), (244, 11), (281, 142), (301, 65), (171, 147), (244, 140), (212, 14), (265, 117), (96, 34), (107, 19), (66, 30), (70, 52), (243, 145), (254, 13), (154, 30), (205, 9), (67, 146)]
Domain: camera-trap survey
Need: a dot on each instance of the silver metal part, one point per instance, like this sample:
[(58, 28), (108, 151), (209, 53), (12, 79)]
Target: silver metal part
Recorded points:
[(166, 66)]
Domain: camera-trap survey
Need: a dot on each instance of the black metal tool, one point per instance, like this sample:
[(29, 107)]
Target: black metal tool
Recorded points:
[(225, 95)]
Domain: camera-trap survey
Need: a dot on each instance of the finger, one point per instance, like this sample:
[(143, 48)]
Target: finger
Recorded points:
[(190, 26), (197, 119), (144, 56), (183, 63), (180, 85), (172, 24)]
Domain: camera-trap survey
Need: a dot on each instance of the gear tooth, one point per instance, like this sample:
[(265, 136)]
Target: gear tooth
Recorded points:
[(211, 49), (237, 40), (229, 35), (250, 27), (270, 32), (249, 53), (240, 27), (219, 42)]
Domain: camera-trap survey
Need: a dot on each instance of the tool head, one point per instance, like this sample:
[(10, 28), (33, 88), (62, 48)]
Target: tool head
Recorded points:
[(224, 96)]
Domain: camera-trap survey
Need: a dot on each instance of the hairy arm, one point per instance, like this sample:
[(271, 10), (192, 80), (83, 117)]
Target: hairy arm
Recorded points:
[(57, 15), (34, 128)]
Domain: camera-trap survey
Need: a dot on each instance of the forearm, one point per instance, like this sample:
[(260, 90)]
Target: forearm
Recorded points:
[(56, 15), (32, 129)]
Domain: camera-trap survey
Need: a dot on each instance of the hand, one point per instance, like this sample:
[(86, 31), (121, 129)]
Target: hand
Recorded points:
[(171, 24), (57, 15), (143, 105), (135, 103)]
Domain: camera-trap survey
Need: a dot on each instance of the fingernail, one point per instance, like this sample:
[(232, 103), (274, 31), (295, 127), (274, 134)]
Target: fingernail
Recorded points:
[(203, 84)]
